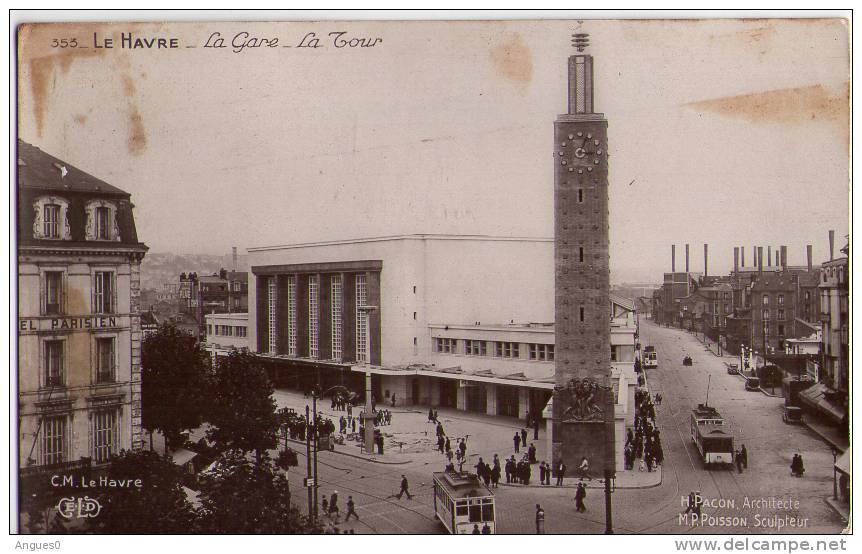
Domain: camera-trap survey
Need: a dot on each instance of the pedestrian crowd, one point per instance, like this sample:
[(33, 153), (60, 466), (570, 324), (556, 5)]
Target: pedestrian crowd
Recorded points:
[(643, 446)]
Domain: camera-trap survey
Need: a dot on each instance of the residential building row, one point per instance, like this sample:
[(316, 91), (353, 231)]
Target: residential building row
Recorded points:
[(79, 330)]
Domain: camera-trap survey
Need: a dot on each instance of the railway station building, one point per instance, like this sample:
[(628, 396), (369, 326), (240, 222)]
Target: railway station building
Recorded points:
[(459, 321)]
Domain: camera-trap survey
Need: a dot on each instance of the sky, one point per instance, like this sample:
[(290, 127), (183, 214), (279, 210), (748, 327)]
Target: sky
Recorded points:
[(726, 132)]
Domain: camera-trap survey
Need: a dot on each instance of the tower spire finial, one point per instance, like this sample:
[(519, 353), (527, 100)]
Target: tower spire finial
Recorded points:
[(580, 41)]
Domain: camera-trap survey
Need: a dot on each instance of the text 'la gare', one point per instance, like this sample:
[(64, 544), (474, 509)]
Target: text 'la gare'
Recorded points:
[(243, 41)]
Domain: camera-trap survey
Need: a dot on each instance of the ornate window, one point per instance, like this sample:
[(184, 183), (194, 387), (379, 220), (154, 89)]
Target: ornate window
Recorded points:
[(51, 219), (335, 315), (101, 221), (313, 321), (106, 360), (291, 315), (105, 435), (103, 292), (361, 319), (53, 374), (53, 449)]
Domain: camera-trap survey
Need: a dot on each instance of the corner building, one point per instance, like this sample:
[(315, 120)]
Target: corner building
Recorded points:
[(79, 331)]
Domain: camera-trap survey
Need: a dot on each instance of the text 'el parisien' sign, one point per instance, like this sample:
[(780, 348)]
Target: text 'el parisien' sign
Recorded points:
[(67, 323)]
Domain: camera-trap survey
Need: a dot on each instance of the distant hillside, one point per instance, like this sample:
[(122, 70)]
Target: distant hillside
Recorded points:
[(165, 267)]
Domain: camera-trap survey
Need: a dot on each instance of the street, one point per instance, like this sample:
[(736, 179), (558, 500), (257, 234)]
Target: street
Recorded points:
[(753, 418)]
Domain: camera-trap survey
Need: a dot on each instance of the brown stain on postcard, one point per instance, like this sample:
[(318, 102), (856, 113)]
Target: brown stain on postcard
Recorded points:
[(38, 52), (513, 60), (785, 106), (136, 141)]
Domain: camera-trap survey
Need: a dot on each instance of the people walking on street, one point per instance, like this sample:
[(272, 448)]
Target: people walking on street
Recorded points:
[(333, 505), (510, 469), (744, 454), (797, 467), (351, 509), (737, 457), (476, 529), (441, 444), (448, 445), (324, 505), (495, 473), (542, 473), (561, 472), (580, 494), (531, 454), (486, 529), (517, 441), (524, 437), (535, 428), (462, 446), (430, 415), (404, 488), (540, 520)]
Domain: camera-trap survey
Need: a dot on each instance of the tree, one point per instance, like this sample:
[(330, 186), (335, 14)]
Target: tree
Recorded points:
[(175, 371), (242, 415), (156, 504), (239, 496)]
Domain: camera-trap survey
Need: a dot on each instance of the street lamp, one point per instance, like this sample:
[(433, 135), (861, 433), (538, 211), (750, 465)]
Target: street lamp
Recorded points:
[(311, 458), (609, 488), (834, 474), (368, 417)]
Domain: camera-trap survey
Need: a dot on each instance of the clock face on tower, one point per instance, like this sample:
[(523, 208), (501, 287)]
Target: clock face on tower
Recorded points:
[(583, 150)]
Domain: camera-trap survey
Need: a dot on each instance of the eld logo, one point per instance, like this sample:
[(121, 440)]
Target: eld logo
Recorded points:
[(73, 507)]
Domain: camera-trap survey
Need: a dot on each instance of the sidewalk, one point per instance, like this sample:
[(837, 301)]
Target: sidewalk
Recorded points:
[(412, 438), (828, 433)]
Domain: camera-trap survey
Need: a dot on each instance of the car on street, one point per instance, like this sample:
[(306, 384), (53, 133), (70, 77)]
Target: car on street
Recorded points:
[(752, 384), (792, 415)]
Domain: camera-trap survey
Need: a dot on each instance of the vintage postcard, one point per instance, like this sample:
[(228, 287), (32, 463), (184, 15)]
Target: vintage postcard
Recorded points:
[(428, 277)]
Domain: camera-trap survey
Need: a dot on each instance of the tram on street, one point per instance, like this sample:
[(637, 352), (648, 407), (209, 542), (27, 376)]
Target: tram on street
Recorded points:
[(463, 503), (714, 444), (650, 358)]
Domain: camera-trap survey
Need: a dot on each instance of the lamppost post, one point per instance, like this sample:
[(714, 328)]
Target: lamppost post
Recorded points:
[(609, 522), (369, 408), (314, 430), (312, 505), (834, 474)]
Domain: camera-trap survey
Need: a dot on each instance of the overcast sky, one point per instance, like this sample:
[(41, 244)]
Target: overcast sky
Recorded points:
[(721, 132)]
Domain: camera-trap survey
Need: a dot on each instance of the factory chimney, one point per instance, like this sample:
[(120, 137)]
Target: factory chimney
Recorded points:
[(783, 257), (735, 259), (808, 250), (831, 245), (741, 256), (705, 259), (760, 259), (673, 258), (686, 258), (768, 256)]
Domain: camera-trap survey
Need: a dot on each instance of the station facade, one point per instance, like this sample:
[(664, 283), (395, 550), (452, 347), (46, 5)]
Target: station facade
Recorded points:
[(458, 321)]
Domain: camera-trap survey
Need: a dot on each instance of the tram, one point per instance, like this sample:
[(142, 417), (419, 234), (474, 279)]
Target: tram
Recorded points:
[(650, 358), (463, 503), (714, 444)]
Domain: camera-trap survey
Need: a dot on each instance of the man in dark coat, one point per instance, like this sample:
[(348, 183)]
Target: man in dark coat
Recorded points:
[(404, 488), (561, 472), (524, 437), (517, 441), (579, 497)]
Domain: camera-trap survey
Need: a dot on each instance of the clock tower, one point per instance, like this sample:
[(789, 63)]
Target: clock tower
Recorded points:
[(583, 405)]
